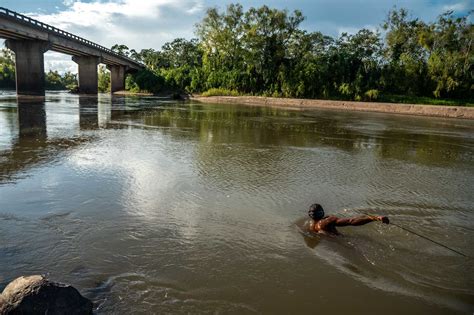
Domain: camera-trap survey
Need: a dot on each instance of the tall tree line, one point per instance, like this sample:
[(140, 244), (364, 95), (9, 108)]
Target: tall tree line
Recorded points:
[(264, 51)]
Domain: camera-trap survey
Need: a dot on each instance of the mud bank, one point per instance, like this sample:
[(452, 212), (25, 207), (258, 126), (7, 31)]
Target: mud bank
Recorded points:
[(292, 103)]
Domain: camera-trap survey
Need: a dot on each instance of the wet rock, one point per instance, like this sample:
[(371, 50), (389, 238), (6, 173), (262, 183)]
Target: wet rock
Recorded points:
[(37, 295)]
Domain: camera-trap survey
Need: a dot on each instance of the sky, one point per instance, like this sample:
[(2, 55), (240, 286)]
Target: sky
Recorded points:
[(143, 24)]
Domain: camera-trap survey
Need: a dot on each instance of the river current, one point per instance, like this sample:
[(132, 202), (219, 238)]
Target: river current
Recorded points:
[(154, 206)]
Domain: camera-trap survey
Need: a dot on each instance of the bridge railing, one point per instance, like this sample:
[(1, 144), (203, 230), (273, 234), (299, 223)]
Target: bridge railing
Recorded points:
[(57, 31)]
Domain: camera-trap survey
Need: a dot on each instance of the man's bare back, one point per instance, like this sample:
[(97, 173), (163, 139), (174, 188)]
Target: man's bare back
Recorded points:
[(327, 224)]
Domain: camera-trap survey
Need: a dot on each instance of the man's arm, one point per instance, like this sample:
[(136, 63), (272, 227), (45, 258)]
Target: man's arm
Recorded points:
[(361, 220)]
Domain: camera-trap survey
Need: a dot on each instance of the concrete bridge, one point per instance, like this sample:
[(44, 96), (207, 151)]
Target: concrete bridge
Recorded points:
[(30, 39)]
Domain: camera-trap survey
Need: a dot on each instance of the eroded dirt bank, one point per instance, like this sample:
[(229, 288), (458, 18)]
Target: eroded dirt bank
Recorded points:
[(292, 103)]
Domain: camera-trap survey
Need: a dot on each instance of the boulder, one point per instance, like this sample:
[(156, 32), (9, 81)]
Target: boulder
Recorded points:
[(37, 295)]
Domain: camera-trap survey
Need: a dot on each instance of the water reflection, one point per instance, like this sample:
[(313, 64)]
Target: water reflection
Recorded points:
[(270, 127), (32, 118), (88, 113), (31, 146), (256, 147), (32, 136), (160, 206), (275, 127)]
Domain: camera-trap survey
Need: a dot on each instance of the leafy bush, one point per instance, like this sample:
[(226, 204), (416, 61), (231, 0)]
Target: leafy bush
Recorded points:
[(55, 81), (144, 81), (220, 92), (345, 89), (371, 95)]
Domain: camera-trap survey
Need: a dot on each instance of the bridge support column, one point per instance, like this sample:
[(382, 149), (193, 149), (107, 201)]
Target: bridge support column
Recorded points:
[(29, 64), (88, 77), (117, 78)]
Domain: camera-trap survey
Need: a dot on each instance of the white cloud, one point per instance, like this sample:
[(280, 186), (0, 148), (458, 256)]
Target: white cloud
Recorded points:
[(144, 24), (139, 25), (460, 6), (59, 62)]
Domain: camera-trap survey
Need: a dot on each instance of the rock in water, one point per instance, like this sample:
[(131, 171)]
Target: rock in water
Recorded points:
[(37, 295)]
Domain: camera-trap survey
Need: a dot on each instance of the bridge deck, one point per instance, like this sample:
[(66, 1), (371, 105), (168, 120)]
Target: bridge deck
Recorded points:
[(14, 25)]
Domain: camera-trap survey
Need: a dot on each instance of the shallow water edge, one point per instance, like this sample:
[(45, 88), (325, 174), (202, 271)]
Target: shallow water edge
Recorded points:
[(292, 103)]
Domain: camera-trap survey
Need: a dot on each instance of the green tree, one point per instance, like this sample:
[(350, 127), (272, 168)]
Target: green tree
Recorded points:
[(181, 52), (104, 79), (144, 81), (69, 80), (268, 33), (178, 62), (53, 81), (451, 62), (406, 67), (7, 69), (247, 51), (221, 35), (354, 63), (151, 58), (121, 50)]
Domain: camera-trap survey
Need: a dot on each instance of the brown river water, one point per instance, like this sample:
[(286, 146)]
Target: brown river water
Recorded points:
[(154, 206)]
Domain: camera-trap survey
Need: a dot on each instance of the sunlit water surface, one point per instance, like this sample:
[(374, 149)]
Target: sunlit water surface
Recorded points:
[(148, 205)]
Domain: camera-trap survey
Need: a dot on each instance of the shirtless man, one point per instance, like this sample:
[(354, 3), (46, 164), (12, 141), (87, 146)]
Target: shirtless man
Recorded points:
[(327, 224)]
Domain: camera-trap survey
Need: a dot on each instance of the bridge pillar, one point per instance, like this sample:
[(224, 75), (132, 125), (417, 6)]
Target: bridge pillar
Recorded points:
[(29, 65), (117, 78), (87, 70)]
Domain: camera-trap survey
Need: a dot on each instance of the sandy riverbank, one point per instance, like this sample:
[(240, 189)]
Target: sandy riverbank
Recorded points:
[(292, 103)]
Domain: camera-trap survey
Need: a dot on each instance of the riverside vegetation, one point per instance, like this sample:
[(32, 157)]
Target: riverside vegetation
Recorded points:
[(264, 51)]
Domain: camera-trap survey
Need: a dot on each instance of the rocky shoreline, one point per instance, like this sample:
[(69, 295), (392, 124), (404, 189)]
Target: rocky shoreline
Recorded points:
[(300, 104)]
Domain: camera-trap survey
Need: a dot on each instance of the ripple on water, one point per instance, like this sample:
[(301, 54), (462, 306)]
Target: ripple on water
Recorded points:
[(391, 259), (183, 208), (148, 292)]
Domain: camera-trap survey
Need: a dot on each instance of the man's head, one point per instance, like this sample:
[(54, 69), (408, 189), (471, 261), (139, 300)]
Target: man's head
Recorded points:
[(316, 211)]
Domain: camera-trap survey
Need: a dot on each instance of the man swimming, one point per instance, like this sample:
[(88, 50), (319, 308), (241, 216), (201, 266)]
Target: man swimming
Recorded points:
[(327, 224)]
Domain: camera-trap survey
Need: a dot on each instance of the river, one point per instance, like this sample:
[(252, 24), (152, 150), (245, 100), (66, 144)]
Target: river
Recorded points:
[(147, 205)]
